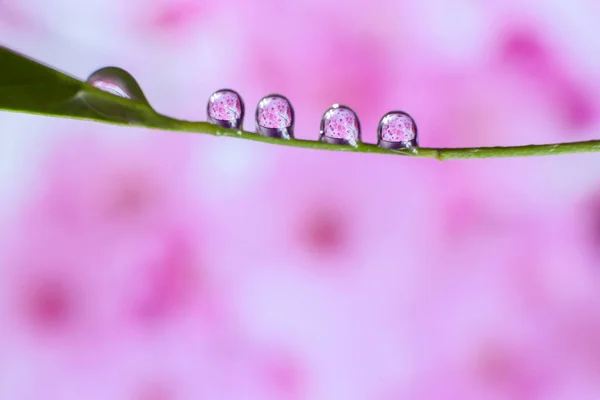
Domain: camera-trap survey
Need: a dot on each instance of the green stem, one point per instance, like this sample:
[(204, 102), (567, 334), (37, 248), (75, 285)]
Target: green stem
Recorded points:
[(28, 86), (424, 152), (142, 115)]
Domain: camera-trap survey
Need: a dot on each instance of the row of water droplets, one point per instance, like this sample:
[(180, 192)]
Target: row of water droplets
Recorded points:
[(274, 114)]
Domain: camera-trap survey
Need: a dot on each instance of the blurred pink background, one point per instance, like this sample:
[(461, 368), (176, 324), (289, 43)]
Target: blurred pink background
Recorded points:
[(149, 265)]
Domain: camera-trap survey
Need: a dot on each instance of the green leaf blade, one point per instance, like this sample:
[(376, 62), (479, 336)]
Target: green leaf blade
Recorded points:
[(31, 87)]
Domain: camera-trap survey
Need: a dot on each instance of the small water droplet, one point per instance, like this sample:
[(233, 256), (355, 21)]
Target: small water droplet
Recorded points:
[(275, 117), (340, 125), (117, 81), (226, 108), (397, 130)]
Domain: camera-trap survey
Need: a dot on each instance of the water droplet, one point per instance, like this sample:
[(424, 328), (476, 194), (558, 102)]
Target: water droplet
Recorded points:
[(226, 108), (340, 125), (117, 81), (397, 130), (275, 117)]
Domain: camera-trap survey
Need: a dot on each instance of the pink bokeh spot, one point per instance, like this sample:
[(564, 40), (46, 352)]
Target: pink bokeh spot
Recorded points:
[(177, 14), (274, 112), (49, 304), (225, 105), (341, 123), (397, 127)]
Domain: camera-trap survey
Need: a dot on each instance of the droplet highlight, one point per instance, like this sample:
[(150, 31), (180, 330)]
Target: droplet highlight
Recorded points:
[(117, 81), (226, 108), (340, 125), (397, 130), (275, 117)]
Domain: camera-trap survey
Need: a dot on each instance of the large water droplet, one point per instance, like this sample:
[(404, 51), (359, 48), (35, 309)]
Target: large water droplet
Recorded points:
[(275, 117), (397, 130), (117, 81), (340, 125), (226, 108)]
